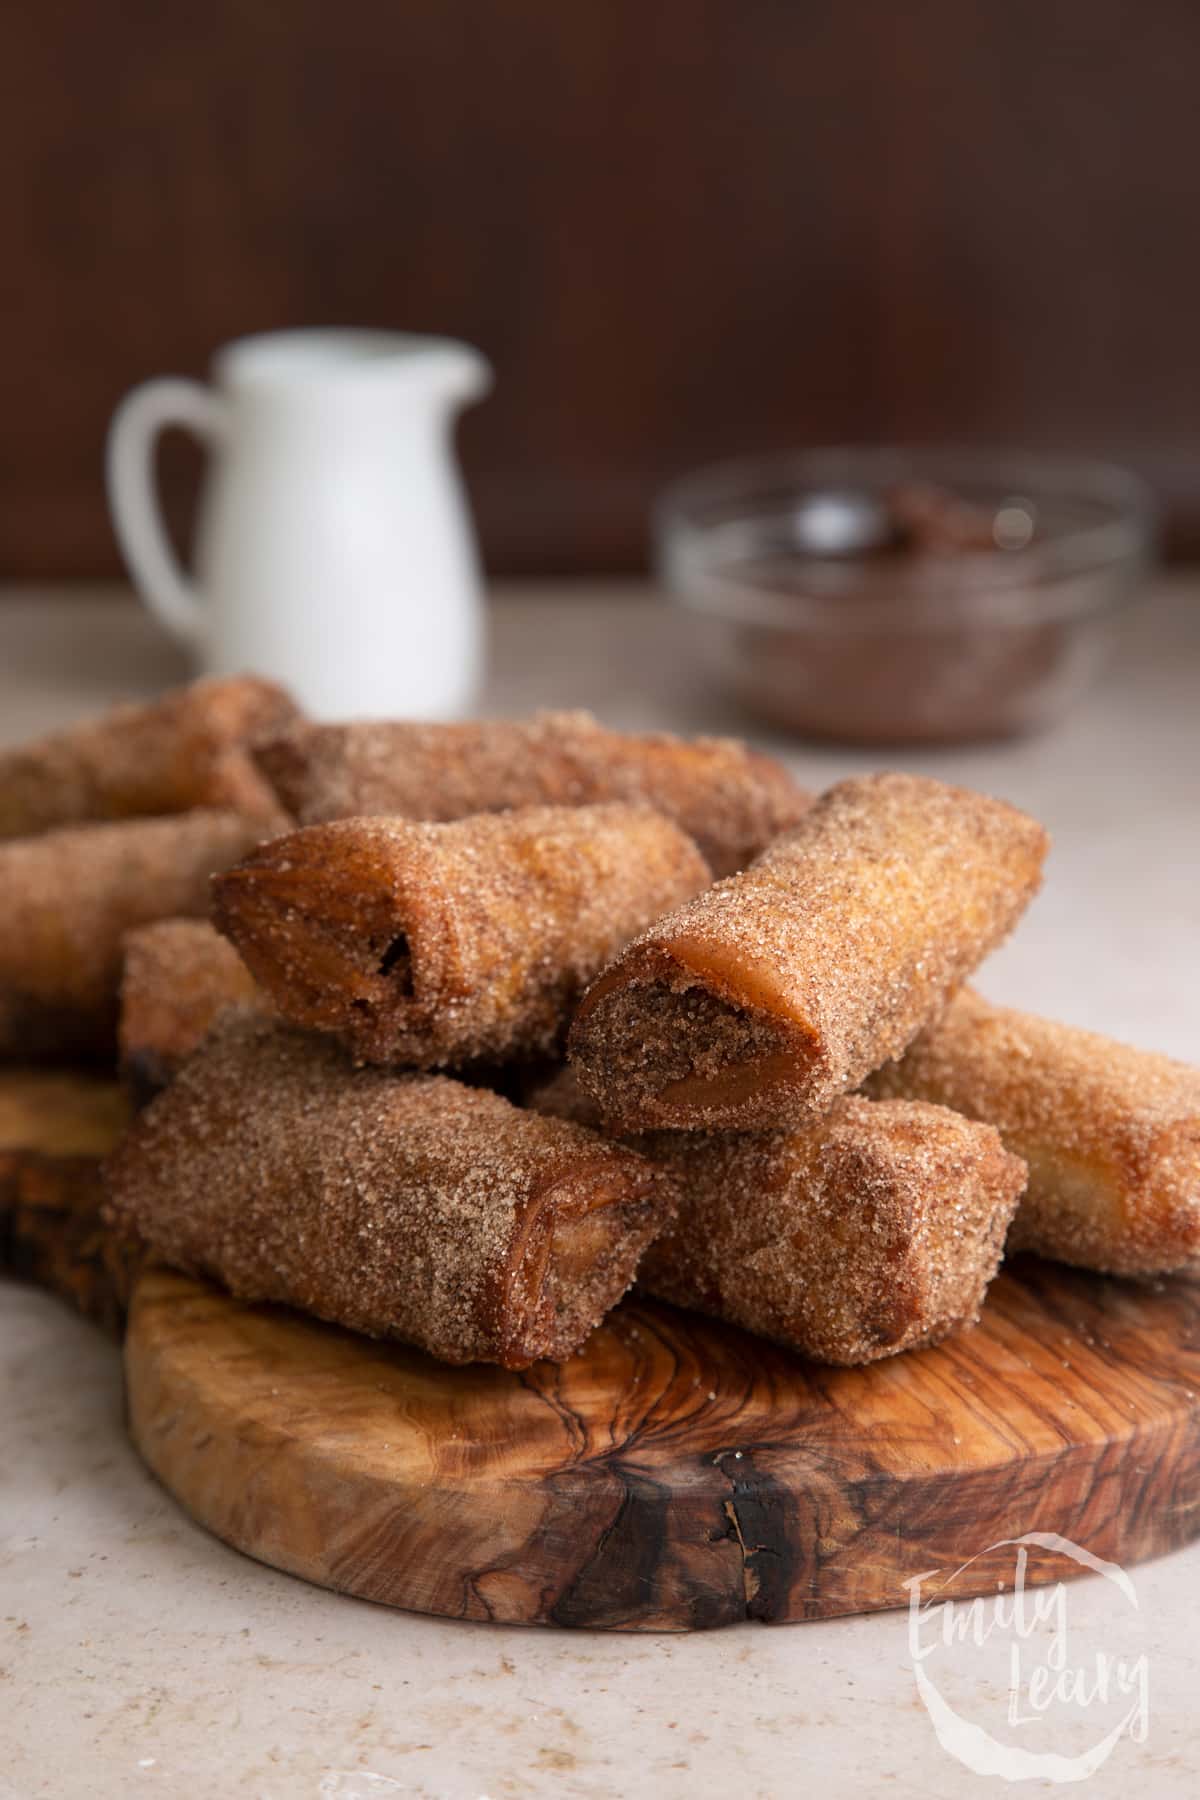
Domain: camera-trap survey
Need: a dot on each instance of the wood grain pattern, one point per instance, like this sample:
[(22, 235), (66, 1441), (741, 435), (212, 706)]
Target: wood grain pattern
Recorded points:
[(55, 1126), (682, 232), (677, 1473)]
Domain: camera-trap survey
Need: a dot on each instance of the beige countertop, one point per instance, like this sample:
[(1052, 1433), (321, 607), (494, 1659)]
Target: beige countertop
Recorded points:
[(139, 1655)]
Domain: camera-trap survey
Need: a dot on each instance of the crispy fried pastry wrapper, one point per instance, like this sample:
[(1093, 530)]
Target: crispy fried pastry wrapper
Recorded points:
[(70, 896), (55, 1127), (178, 977), (779, 989), (730, 799), (188, 749), (426, 945), (400, 1205), (1111, 1134), (874, 1229)]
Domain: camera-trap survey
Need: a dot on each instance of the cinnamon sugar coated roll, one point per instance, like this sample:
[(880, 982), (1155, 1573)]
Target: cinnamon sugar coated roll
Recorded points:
[(731, 799), (405, 1206), (178, 976), (1111, 1134), (70, 896), (875, 1229), (426, 945), (781, 988), (188, 749)]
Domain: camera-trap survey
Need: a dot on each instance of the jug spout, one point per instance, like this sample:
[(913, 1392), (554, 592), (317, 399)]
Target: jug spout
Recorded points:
[(331, 364), (455, 372)]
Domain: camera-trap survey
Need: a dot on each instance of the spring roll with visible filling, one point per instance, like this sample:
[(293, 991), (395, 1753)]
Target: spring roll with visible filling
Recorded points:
[(70, 896), (1111, 1134), (781, 988), (178, 976), (730, 799), (400, 1205), (188, 749), (429, 945), (872, 1230)]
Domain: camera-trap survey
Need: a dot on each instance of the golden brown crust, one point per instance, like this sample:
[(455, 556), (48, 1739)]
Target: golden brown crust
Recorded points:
[(1111, 1134), (873, 1230), (426, 945), (69, 898), (187, 749), (733, 801), (178, 976), (404, 1206), (781, 988)]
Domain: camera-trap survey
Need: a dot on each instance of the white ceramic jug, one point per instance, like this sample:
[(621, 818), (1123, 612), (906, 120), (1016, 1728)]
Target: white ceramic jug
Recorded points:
[(334, 551)]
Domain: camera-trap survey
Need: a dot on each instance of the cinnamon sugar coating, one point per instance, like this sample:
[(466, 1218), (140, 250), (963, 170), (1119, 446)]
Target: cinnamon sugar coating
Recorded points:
[(780, 988), (434, 944), (178, 977), (1111, 1134), (70, 896), (187, 749), (872, 1230), (405, 1206), (730, 799)]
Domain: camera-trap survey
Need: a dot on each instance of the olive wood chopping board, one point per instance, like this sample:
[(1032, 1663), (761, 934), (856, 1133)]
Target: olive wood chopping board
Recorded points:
[(677, 1473), (55, 1126)]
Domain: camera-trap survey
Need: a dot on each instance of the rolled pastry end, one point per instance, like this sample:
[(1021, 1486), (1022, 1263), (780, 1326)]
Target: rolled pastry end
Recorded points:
[(574, 1254), (657, 1042), (1111, 1134), (319, 917), (822, 959), (875, 1229), (403, 1206), (1122, 1210), (430, 945)]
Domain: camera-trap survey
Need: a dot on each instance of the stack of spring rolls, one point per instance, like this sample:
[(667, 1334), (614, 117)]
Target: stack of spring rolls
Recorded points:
[(348, 1136), (103, 827), (112, 824), (506, 1015)]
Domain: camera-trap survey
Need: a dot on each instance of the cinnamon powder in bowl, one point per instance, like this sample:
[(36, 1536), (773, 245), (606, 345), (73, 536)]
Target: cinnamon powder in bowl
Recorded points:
[(894, 596)]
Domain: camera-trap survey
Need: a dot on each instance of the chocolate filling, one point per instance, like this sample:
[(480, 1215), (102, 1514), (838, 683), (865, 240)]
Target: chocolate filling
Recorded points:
[(396, 961)]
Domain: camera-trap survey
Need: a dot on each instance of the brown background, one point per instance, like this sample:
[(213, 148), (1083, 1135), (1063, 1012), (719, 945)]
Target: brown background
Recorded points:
[(681, 229)]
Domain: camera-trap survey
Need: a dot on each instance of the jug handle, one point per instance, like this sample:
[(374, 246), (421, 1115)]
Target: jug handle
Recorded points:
[(137, 518)]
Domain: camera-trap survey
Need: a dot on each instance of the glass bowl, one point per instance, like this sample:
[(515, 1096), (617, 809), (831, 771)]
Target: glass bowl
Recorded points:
[(904, 596)]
